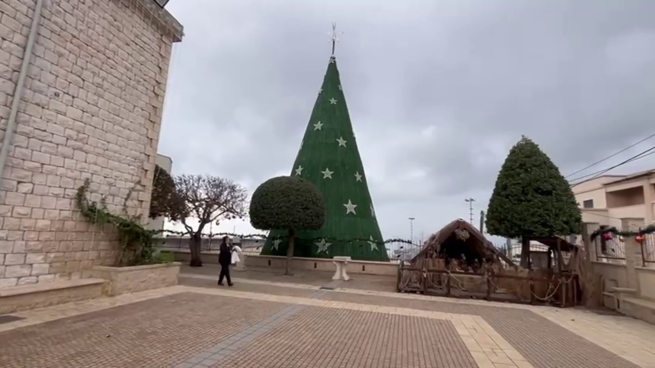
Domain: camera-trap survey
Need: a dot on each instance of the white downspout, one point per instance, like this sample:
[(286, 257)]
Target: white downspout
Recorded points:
[(18, 92)]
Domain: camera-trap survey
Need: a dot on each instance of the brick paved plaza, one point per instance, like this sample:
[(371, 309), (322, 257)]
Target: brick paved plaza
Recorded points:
[(260, 323)]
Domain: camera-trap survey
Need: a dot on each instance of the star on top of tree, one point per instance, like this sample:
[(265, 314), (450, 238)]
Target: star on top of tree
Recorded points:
[(342, 142), (333, 101), (327, 174), (358, 176), (322, 246), (372, 243), (276, 244), (318, 126), (350, 207), (299, 170)]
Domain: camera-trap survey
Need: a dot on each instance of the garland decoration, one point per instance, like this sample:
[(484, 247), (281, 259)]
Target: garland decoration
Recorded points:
[(282, 237), (614, 231)]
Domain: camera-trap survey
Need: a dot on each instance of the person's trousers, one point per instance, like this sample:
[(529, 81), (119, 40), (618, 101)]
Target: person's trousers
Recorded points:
[(225, 272)]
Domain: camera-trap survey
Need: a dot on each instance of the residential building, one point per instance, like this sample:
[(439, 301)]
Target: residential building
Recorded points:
[(617, 200)]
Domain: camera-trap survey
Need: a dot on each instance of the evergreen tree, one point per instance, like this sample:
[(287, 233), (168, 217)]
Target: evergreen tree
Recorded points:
[(329, 159), (290, 203), (531, 199)]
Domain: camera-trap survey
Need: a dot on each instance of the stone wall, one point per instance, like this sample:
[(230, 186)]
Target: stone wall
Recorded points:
[(91, 108)]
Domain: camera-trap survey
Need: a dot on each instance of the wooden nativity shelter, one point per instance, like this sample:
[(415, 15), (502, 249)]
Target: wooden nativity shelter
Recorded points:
[(459, 261)]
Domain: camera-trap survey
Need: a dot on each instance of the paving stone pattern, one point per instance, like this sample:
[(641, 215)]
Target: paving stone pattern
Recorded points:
[(159, 332), (543, 343), (217, 353), (249, 287), (325, 337)]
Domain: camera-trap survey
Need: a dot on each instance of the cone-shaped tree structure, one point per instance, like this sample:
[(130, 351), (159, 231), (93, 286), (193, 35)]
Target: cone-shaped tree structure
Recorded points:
[(329, 158)]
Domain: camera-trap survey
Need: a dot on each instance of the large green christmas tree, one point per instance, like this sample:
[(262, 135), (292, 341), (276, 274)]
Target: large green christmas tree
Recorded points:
[(329, 158)]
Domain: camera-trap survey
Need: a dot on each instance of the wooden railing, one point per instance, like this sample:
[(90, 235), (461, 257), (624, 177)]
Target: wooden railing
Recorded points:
[(560, 289)]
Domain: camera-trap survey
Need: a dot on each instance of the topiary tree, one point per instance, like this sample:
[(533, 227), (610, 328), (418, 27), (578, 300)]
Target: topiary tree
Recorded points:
[(531, 199), (290, 204)]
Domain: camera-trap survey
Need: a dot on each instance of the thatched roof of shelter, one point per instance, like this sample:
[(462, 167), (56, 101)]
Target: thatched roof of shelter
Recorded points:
[(475, 244)]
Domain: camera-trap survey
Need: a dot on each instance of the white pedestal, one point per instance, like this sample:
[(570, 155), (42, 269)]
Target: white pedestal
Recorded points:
[(341, 263)]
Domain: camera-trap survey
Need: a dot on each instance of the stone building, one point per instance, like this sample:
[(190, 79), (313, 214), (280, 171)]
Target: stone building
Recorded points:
[(92, 96)]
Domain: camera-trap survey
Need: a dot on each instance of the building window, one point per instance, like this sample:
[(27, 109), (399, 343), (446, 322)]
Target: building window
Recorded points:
[(589, 203)]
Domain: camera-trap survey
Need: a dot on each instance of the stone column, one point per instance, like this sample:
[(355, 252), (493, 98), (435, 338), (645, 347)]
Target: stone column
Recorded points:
[(632, 252), (649, 197)]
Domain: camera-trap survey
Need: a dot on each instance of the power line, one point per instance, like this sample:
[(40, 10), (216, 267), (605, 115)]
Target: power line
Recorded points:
[(610, 156), (596, 174), (598, 214), (583, 177)]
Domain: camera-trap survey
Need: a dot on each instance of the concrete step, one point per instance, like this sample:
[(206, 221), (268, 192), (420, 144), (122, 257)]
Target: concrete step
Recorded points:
[(638, 308), (20, 298)]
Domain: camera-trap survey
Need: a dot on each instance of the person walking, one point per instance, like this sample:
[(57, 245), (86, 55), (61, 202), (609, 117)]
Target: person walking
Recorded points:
[(224, 259)]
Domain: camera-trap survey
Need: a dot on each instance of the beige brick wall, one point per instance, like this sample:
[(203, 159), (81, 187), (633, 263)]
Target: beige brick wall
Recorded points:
[(91, 108)]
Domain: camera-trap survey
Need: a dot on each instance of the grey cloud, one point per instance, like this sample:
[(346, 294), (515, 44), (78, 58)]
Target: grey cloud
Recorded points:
[(438, 91)]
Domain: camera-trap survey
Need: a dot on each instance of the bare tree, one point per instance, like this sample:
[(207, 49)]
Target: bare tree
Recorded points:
[(208, 199)]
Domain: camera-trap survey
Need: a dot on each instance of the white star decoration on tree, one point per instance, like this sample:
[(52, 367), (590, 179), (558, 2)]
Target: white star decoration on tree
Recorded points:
[(350, 207), (299, 170), (372, 211), (320, 91), (340, 88), (372, 243), (322, 246), (358, 176), (327, 174), (341, 141), (276, 244), (318, 126), (333, 101)]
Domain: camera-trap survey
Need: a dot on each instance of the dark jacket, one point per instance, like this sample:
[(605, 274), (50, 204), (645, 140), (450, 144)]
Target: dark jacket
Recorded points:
[(225, 255)]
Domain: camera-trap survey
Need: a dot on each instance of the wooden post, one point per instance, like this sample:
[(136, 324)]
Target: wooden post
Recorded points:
[(531, 284), (563, 292), (590, 292), (400, 275), (488, 285), (448, 285), (550, 258)]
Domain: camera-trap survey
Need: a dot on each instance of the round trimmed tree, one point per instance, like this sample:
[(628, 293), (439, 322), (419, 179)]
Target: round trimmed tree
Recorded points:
[(531, 199), (287, 203)]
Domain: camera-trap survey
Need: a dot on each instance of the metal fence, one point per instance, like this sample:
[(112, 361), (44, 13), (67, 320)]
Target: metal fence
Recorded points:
[(609, 250), (396, 250), (648, 250)]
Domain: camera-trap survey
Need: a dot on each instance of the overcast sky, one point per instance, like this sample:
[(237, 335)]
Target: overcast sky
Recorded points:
[(438, 91)]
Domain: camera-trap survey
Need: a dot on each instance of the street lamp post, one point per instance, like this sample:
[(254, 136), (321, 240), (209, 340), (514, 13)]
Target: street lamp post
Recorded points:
[(411, 230)]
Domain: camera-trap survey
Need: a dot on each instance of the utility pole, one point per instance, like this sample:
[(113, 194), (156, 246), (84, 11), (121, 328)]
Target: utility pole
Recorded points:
[(482, 222), (411, 230), (470, 202)]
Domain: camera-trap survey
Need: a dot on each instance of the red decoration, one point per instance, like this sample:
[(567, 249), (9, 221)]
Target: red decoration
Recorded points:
[(639, 238), (607, 236)]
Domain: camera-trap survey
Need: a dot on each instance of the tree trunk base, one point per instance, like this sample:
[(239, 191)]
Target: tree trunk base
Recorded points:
[(195, 263)]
